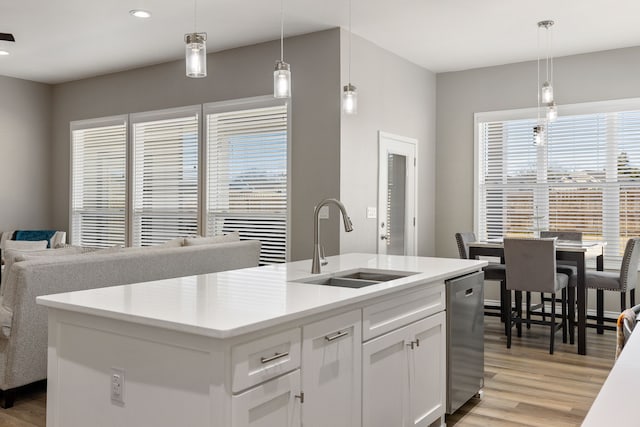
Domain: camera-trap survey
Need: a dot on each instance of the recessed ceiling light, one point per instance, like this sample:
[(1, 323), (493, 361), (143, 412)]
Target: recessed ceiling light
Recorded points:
[(4, 52), (140, 13)]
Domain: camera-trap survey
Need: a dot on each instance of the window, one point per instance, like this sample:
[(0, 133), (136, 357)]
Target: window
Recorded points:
[(247, 173), (165, 175), (146, 178), (98, 182), (586, 177)]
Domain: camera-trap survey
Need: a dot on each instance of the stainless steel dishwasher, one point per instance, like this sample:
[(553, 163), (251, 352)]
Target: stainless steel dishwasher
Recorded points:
[(465, 339)]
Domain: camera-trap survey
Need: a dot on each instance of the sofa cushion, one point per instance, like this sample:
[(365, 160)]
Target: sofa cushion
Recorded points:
[(26, 245), (173, 243), (16, 255), (35, 235), (225, 238)]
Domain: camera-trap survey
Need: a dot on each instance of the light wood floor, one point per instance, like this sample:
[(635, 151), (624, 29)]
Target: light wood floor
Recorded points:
[(524, 386)]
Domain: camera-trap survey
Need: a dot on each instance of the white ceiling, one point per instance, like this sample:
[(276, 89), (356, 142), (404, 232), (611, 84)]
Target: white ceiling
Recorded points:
[(64, 40)]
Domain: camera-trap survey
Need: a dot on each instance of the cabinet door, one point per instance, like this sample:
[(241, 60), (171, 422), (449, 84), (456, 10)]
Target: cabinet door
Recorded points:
[(385, 380), (331, 372), (427, 367), (273, 403)]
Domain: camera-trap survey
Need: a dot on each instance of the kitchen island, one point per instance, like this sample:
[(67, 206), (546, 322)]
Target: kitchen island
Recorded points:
[(256, 347)]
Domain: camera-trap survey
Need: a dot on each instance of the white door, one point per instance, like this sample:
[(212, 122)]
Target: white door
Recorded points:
[(426, 370), (397, 165), (385, 380), (331, 372)]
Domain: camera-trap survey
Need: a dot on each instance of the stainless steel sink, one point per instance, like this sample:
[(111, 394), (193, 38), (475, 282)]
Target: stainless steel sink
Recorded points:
[(357, 278), (342, 282)]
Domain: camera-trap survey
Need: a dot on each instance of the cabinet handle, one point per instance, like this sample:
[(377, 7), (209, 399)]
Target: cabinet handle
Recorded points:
[(337, 335), (413, 344), (274, 357)]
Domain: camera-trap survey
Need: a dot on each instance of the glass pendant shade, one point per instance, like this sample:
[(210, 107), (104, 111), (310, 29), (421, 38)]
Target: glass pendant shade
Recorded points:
[(538, 135), (350, 99), (552, 112), (196, 54), (547, 93), (282, 80)]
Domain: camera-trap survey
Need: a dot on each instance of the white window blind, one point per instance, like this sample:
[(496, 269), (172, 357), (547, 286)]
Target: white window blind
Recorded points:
[(98, 182), (165, 176), (585, 178), (247, 176)]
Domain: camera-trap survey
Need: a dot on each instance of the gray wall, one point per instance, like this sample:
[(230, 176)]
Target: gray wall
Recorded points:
[(395, 96), (596, 76), (25, 154), (232, 74)]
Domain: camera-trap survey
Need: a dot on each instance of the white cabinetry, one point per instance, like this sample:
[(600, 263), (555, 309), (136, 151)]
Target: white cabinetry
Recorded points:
[(274, 403), (331, 371), (403, 373)]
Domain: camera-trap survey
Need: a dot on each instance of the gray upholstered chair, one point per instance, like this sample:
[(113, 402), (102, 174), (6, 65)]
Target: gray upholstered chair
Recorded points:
[(569, 268), (572, 236), (493, 271), (622, 281), (531, 267)]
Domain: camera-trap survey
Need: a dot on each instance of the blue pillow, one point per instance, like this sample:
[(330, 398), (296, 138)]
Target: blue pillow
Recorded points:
[(35, 235)]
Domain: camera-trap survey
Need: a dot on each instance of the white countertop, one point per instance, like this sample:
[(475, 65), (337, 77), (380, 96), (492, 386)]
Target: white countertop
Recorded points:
[(232, 303), (617, 401)]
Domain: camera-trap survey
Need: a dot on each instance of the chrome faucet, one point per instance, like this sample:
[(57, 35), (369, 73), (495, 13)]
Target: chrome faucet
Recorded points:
[(315, 265)]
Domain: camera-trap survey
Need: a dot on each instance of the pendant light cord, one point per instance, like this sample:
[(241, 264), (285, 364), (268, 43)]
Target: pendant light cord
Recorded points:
[(282, 30), (538, 83), (195, 16), (350, 38)]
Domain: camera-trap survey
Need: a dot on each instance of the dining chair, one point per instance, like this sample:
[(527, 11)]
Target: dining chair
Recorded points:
[(531, 267), (493, 271), (568, 268), (621, 281)]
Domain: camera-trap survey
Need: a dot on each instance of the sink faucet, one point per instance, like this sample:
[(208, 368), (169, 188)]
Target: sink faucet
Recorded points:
[(315, 265)]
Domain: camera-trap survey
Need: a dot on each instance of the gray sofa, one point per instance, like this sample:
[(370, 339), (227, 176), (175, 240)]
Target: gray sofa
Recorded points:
[(23, 337)]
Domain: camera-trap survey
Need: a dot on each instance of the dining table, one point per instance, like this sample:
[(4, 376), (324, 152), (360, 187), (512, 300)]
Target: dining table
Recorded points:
[(576, 252)]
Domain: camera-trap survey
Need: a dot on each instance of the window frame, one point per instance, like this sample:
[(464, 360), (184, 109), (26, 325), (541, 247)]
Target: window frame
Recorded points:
[(86, 124), (608, 106), (157, 115), (238, 105)]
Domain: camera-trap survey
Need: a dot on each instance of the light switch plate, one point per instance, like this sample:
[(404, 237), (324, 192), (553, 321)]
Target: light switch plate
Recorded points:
[(372, 212), (324, 212)]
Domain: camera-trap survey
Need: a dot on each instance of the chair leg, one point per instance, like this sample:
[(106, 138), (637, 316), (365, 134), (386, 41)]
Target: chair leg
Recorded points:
[(503, 291), (553, 323), (623, 301), (528, 307), (507, 323), (564, 315), (632, 296), (519, 312), (600, 310), (572, 314), (542, 309)]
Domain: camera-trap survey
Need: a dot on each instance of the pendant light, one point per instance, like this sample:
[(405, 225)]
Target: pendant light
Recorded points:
[(195, 50), (545, 91), (349, 94), (282, 72)]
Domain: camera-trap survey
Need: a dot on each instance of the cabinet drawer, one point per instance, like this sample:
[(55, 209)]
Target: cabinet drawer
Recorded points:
[(265, 358), (271, 404), (395, 312)]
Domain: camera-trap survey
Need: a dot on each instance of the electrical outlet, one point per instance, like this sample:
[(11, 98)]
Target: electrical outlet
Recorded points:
[(372, 212), (117, 385)]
